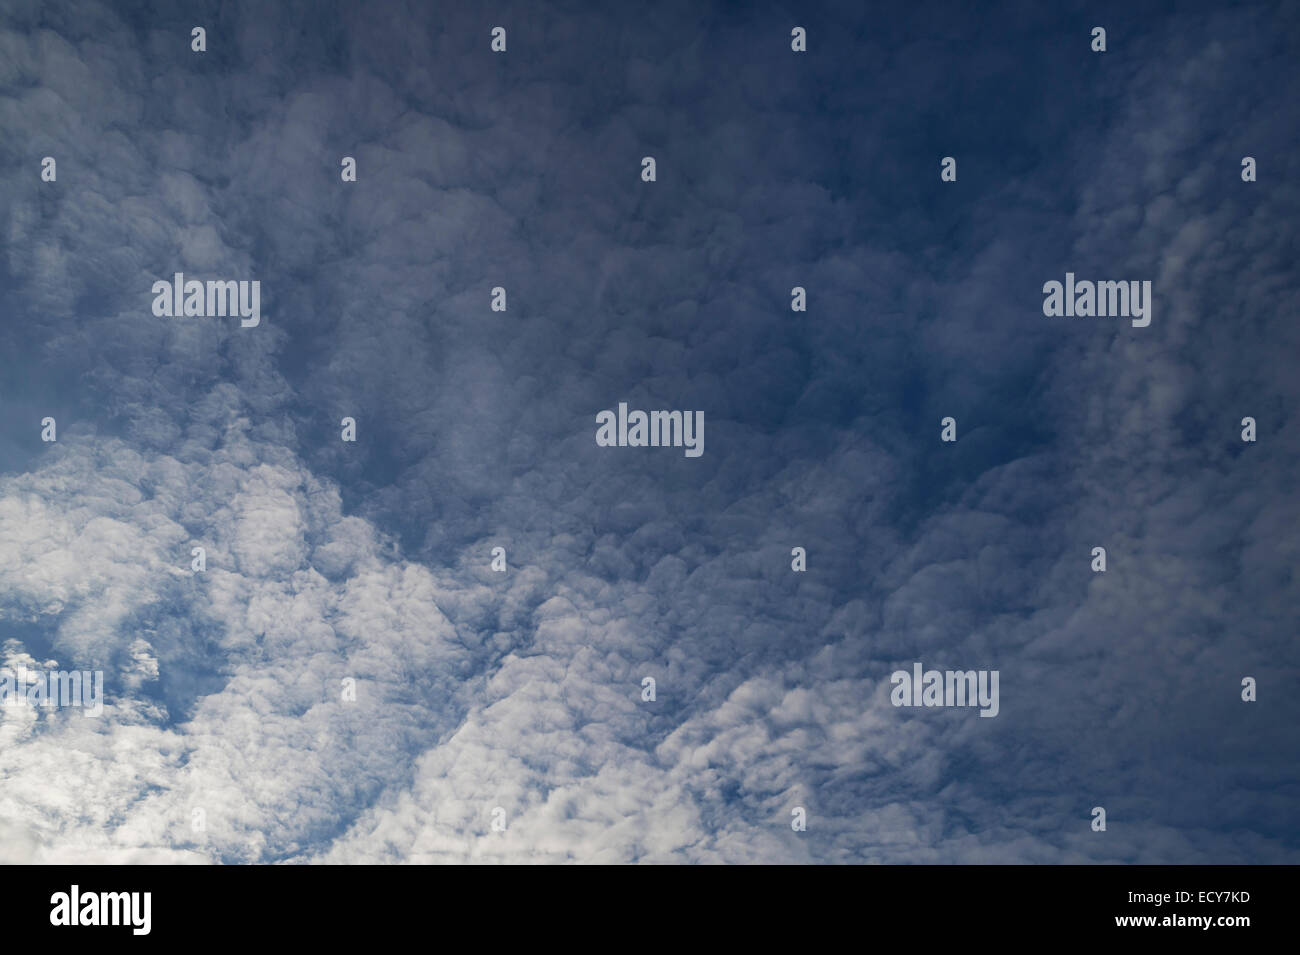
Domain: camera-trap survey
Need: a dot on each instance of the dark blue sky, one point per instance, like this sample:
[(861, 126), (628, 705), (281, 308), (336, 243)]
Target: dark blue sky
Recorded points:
[(476, 429)]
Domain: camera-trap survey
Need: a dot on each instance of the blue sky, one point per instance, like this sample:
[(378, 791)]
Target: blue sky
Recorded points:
[(370, 560)]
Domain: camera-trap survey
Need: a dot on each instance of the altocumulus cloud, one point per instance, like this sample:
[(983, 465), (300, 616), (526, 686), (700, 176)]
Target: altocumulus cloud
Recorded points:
[(369, 561)]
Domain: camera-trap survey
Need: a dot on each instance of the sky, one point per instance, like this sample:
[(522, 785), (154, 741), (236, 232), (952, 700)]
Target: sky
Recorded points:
[(228, 734)]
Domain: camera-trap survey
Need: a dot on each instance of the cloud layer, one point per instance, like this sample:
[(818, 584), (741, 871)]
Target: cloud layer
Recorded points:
[(368, 562)]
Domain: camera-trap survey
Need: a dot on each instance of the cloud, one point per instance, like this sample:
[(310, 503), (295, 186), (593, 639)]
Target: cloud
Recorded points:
[(369, 561)]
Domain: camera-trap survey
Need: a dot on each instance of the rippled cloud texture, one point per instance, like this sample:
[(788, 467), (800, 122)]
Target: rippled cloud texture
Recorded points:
[(370, 560)]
